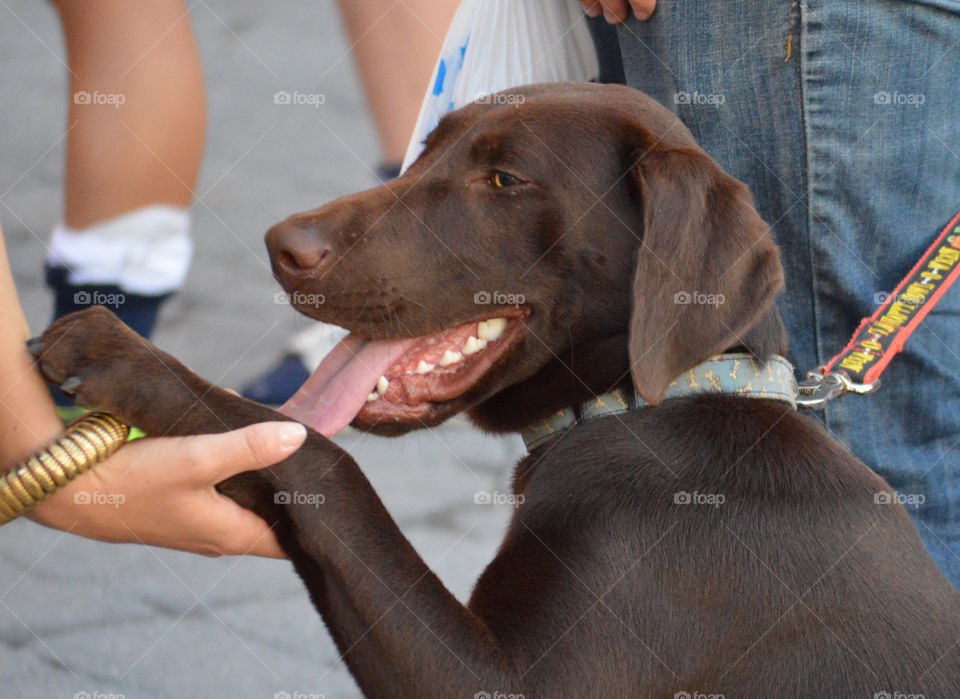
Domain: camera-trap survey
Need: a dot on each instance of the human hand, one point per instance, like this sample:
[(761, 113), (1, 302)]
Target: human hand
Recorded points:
[(160, 491), (616, 11)]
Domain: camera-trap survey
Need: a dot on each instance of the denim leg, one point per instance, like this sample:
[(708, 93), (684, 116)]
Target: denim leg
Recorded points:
[(844, 120)]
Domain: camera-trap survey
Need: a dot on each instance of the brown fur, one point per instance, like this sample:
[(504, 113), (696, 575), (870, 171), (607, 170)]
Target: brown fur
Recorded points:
[(798, 585)]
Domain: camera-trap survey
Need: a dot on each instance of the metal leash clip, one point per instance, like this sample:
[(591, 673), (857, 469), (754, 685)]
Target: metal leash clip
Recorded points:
[(819, 389)]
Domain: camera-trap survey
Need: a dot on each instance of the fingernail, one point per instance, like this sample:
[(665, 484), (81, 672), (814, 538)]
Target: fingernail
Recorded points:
[(292, 435)]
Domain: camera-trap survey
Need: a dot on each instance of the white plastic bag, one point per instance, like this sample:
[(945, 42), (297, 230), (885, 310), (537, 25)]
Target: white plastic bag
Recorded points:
[(496, 44)]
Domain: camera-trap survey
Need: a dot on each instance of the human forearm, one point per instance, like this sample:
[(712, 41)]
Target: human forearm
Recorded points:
[(27, 415)]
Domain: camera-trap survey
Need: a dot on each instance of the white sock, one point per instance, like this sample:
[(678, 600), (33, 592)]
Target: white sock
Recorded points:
[(146, 251)]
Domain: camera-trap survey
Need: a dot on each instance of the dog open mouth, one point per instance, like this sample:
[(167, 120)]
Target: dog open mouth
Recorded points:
[(401, 381)]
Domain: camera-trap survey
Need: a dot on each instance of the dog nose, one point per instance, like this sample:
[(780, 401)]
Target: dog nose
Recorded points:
[(297, 247)]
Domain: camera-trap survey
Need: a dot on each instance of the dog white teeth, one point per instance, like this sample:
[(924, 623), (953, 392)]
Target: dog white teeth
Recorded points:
[(424, 368), (450, 357), (382, 384), (490, 330), (372, 396), (473, 345)]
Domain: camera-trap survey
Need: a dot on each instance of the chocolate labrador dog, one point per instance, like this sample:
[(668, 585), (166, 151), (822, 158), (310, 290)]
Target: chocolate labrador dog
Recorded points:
[(543, 255)]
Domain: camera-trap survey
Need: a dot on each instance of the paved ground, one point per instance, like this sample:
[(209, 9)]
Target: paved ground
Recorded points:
[(78, 616)]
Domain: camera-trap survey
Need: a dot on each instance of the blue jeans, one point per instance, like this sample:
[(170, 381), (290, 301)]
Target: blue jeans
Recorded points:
[(850, 144)]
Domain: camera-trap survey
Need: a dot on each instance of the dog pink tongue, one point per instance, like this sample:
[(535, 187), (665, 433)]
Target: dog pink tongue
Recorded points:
[(338, 388)]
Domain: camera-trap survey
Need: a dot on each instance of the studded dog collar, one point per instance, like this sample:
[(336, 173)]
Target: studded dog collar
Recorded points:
[(736, 374)]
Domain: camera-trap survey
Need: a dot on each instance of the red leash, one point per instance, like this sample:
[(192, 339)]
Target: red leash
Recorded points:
[(857, 368)]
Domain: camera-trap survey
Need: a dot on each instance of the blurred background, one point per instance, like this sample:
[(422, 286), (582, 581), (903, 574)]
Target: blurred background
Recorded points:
[(80, 618)]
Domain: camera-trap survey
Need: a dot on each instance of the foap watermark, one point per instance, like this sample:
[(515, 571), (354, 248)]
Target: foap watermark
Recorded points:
[(297, 695), (909, 296), (684, 497), (86, 497), (697, 298), (299, 99), (499, 298), (284, 497), (513, 99), (99, 298), (298, 298), (697, 695), (897, 695), (98, 695), (696, 98), (885, 497), (486, 497), (99, 99), (497, 694), (899, 99)]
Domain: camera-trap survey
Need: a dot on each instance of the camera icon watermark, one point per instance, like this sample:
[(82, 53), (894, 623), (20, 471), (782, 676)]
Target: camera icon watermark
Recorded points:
[(885, 497), (99, 298), (684, 497), (284, 497), (486, 497), (707, 99), (97, 98), (86, 497), (913, 297), (696, 298), (297, 98), (300, 299), (899, 99), (513, 99), (499, 298)]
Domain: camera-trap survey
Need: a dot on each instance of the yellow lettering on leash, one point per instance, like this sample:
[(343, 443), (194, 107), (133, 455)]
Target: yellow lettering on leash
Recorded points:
[(855, 361), (945, 260)]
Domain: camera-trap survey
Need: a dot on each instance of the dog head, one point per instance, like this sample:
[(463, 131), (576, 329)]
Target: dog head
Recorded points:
[(544, 247)]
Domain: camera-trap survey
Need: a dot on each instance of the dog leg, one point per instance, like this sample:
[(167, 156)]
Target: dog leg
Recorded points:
[(400, 630)]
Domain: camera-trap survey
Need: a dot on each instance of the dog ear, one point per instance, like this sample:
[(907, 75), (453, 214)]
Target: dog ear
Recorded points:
[(707, 268)]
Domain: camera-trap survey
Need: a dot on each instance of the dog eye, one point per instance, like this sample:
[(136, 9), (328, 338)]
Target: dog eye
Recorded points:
[(500, 179)]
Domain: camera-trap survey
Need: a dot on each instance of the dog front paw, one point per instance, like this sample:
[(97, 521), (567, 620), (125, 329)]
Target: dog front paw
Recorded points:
[(95, 359)]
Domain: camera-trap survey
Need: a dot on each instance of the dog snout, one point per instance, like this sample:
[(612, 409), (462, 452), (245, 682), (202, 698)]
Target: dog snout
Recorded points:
[(298, 248)]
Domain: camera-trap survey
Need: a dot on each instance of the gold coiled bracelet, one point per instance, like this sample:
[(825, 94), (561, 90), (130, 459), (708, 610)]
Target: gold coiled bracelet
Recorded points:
[(86, 442)]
